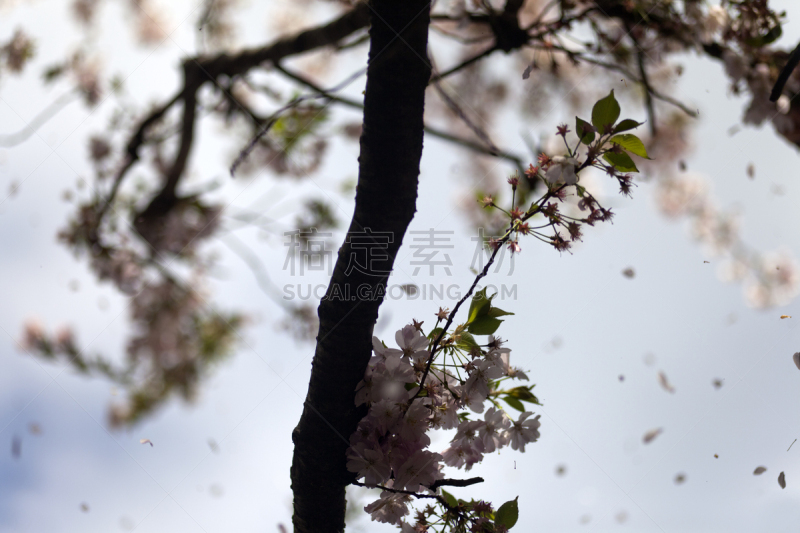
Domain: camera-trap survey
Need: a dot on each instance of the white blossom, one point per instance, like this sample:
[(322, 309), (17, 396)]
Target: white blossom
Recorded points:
[(562, 170), (783, 105)]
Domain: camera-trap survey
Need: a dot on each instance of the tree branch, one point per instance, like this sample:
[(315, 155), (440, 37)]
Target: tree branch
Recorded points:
[(434, 132), (391, 147)]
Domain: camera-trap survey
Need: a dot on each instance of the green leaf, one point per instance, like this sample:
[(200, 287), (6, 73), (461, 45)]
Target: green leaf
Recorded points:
[(434, 333), (584, 130), (466, 341), (496, 311), (485, 325), (449, 498), (631, 143), (524, 393), (507, 515), (621, 162), (627, 124), (605, 112), (480, 305), (513, 402), (771, 36)]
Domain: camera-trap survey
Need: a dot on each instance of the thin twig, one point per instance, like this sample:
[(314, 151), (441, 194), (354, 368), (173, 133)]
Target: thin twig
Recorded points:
[(466, 143)]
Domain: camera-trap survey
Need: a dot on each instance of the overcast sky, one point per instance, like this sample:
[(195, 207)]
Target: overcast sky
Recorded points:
[(592, 339)]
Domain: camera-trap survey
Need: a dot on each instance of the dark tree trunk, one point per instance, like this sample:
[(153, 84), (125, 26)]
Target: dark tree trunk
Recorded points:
[(391, 147)]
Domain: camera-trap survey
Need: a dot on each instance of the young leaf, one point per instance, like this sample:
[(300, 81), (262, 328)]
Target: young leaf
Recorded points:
[(605, 112), (524, 393), (466, 341), (626, 125), (584, 130), (434, 333), (480, 305), (621, 162), (513, 402), (508, 514), (631, 143), (496, 311), (484, 325), (449, 498)]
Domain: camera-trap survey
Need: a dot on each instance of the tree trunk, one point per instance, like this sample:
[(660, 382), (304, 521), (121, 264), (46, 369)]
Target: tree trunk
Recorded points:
[(391, 147)]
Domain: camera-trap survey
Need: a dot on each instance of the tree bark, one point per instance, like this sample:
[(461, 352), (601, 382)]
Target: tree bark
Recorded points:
[(391, 147)]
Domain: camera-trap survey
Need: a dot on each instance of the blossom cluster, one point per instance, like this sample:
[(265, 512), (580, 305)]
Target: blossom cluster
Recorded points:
[(390, 447)]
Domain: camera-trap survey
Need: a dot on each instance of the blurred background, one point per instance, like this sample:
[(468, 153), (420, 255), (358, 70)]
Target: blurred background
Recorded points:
[(666, 290)]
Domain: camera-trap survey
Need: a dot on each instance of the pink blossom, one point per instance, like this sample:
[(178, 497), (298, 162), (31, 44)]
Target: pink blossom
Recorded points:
[(390, 378), (461, 455), (415, 422), (483, 372), (467, 434), (382, 352), (413, 343), (389, 508), (369, 464), (562, 170), (493, 433), (386, 413), (523, 431), (422, 468)]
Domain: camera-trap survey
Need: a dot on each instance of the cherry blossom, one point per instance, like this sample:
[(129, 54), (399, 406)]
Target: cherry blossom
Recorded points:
[(389, 449), (492, 432), (523, 431), (391, 507), (562, 170)]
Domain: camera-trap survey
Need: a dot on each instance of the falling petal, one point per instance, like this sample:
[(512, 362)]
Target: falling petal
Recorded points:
[(146, 441), (665, 384), (16, 447), (782, 480), (785, 316), (760, 470), (796, 358), (716, 456), (410, 289), (527, 72), (650, 435)]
